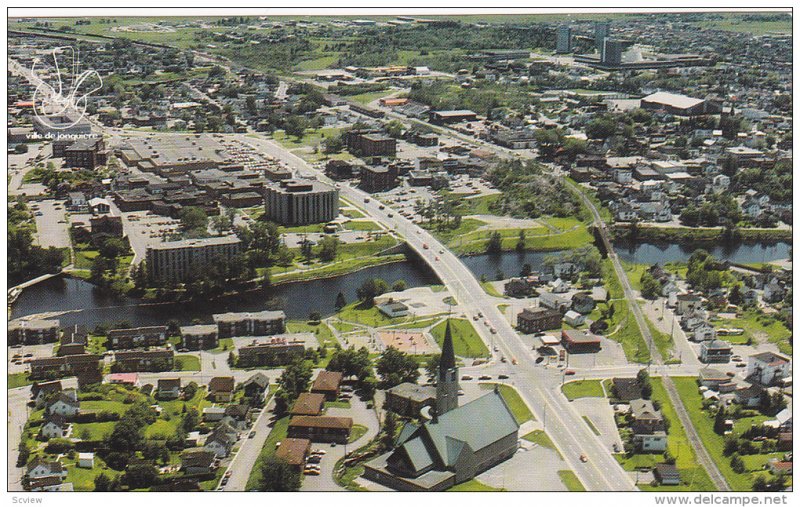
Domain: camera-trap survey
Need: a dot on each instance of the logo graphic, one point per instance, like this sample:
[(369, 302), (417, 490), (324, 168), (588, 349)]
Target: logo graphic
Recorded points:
[(62, 104)]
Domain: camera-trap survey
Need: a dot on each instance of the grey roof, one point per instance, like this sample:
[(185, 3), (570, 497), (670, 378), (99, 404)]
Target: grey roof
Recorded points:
[(413, 392), (644, 409), (238, 316), (196, 243), (475, 426)]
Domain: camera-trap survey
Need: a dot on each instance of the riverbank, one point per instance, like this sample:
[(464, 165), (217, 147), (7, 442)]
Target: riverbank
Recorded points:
[(693, 235)]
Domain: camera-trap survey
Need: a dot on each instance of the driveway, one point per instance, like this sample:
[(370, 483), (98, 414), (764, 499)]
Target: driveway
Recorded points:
[(361, 415)]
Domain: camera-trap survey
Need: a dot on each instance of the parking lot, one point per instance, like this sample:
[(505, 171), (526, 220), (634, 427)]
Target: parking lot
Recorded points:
[(52, 228), (19, 357), (144, 229)]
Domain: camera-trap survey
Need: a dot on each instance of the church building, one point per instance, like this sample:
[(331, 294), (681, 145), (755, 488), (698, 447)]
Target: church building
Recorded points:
[(457, 444)]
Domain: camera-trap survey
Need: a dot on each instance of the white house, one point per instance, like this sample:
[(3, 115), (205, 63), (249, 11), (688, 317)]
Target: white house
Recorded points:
[(39, 468), (704, 331), (65, 404), (559, 286), (652, 442), (574, 318), (55, 426), (86, 460), (393, 309), (554, 301), (565, 269), (768, 368), (213, 414), (687, 302)]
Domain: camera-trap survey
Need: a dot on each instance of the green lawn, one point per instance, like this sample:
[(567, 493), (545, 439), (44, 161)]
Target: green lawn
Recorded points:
[(343, 327), (418, 323), (93, 431), (473, 485), (514, 401), (311, 137), (319, 329), (362, 225), (758, 328), (356, 432), (583, 389), (278, 433), (18, 380), (541, 438), (571, 480), (591, 425), (359, 314), (116, 407), (189, 363), (489, 288), (466, 341), (622, 325), (366, 98)]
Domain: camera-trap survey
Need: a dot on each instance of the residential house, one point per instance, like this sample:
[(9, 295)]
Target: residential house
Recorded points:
[(294, 451), (308, 404), (220, 389), (237, 416), (574, 318), (748, 396), (713, 379), (768, 368), (213, 414), (327, 383), (39, 467), (715, 351), (55, 426), (667, 474), (42, 391), (220, 442), (687, 302), (169, 388), (256, 385), (65, 404), (647, 423), (554, 301), (198, 462), (583, 303)]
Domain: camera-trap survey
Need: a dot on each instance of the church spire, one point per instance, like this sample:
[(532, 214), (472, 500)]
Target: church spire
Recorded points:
[(447, 384)]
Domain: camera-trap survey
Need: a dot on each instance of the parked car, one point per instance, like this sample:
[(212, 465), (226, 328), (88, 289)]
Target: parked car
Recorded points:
[(569, 372), (466, 377), (584, 458), (485, 377), (502, 376)]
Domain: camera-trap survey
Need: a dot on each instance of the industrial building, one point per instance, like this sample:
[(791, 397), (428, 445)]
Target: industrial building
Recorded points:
[(301, 202)]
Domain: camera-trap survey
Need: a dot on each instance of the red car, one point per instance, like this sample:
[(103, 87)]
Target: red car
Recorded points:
[(569, 372)]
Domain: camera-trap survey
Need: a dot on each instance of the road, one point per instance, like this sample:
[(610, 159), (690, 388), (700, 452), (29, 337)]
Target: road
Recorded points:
[(539, 387), (248, 453), (703, 457)]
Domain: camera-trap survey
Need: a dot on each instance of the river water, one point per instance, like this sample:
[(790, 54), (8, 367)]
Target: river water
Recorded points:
[(90, 306)]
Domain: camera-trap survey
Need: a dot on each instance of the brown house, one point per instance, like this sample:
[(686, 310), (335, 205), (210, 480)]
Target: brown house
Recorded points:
[(327, 383), (294, 451), (308, 404), (533, 320), (221, 389), (321, 428)]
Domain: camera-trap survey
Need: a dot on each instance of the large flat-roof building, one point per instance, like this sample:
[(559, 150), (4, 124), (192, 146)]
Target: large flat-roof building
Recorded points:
[(175, 260), (378, 178), (370, 144), (301, 202), (443, 117), (674, 103), (31, 332), (168, 155)]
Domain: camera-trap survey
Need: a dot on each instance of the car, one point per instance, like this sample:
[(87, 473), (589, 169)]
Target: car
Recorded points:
[(485, 377), (569, 372), (333, 444), (321, 452), (311, 472), (493, 330), (539, 359), (730, 374), (466, 377), (502, 359), (366, 199), (252, 434), (584, 458), (514, 360), (390, 215), (441, 251), (28, 355), (436, 258), (224, 481), (502, 376), (228, 473), (425, 246), (475, 317), (740, 365), (381, 207), (480, 315)]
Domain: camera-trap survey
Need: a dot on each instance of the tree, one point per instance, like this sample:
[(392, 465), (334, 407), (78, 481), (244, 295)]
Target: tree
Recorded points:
[(495, 243), (190, 420), (389, 430), (526, 270), (328, 247), (341, 302), (102, 483), (399, 286), (314, 316), (394, 128), (736, 294), (601, 128), (432, 366), (111, 248), (222, 223), (194, 220), (24, 454), (520, 246), (295, 126), (643, 379), (737, 465), (278, 475), (306, 248), (760, 483), (650, 286), (719, 422), (351, 362), (190, 390), (395, 367), (370, 289), (140, 476), (295, 378)]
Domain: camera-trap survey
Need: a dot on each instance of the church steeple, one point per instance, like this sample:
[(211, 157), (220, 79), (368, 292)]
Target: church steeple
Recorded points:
[(447, 382)]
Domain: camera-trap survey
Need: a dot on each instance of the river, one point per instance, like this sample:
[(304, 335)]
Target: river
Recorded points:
[(90, 306)]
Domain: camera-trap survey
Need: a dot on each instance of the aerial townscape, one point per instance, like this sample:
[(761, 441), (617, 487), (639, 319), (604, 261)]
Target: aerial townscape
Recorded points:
[(436, 252)]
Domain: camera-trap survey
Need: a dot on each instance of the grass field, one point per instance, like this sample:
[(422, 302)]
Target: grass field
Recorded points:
[(758, 328), (278, 433), (188, 363), (358, 313), (514, 401), (356, 432), (571, 480), (541, 438), (18, 380), (473, 485), (466, 341), (583, 389)]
